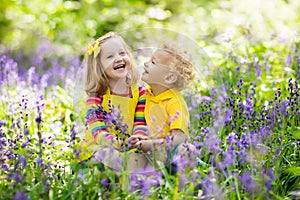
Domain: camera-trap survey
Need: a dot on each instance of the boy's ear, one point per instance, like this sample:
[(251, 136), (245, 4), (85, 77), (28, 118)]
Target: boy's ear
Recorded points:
[(171, 78)]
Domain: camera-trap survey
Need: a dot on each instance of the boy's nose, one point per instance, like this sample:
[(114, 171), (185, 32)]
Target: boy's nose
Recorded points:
[(146, 64)]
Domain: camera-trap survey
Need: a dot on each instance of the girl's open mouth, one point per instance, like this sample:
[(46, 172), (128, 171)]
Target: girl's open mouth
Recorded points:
[(119, 67)]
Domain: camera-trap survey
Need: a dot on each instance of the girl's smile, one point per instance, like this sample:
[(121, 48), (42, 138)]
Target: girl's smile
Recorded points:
[(115, 59)]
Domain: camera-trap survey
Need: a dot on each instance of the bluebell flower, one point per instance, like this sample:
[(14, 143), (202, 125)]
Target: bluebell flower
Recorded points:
[(17, 177), (248, 182), (288, 60), (105, 182), (228, 115), (210, 189), (20, 195), (212, 142), (206, 99), (228, 158), (21, 160), (73, 133), (240, 83), (231, 139)]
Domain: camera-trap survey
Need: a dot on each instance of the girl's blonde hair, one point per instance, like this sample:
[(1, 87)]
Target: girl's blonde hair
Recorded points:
[(182, 64), (96, 81)]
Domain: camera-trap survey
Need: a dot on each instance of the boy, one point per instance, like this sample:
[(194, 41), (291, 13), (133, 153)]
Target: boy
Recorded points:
[(166, 73)]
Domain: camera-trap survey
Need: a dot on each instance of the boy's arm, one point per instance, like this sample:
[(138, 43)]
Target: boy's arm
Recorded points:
[(177, 137), (140, 126), (96, 124), (179, 118)]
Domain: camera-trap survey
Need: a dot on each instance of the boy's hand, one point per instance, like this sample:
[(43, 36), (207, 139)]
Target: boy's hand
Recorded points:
[(144, 145), (132, 140)]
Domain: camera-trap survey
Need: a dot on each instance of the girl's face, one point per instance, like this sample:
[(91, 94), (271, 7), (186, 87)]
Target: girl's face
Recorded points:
[(157, 68), (114, 59)]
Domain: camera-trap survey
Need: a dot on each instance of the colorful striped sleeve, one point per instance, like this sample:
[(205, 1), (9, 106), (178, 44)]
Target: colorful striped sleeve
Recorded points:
[(140, 126), (95, 121)]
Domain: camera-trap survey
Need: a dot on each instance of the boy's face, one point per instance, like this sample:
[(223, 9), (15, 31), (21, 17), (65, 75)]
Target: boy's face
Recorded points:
[(157, 68)]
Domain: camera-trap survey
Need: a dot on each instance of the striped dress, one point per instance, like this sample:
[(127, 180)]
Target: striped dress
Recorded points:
[(110, 116)]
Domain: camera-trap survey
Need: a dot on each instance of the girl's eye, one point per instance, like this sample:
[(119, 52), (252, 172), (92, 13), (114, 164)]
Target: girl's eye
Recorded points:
[(153, 62), (122, 53), (110, 56)]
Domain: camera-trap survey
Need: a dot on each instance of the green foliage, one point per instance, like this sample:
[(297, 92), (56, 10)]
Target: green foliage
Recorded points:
[(71, 25)]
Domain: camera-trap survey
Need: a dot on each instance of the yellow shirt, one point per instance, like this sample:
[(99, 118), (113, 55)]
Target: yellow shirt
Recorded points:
[(165, 112)]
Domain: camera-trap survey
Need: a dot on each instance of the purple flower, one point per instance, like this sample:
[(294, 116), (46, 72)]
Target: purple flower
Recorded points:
[(17, 177), (240, 83), (249, 105), (212, 142), (231, 139), (228, 115), (268, 177), (255, 137), (228, 158), (73, 133), (206, 98), (243, 143), (20, 195), (133, 182), (288, 60), (180, 162), (197, 99), (265, 131), (247, 181), (1, 123), (40, 163), (210, 189), (105, 182), (258, 70), (182, 181), (145, 187), (26, 131), (112, 119), (141, 183), (38, 119), (213, 92), (99, 155), (21, 161), (268, 184), (197, 144), (270, 174)]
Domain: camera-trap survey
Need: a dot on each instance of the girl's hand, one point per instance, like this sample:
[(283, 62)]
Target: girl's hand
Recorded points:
[(118, 144)]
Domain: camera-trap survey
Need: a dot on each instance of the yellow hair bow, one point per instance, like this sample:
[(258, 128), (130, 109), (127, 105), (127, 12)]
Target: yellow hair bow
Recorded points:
[(90, 50), (94, 48)]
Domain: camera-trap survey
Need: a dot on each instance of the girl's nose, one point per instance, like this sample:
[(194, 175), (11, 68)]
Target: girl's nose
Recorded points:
[(118, 58)]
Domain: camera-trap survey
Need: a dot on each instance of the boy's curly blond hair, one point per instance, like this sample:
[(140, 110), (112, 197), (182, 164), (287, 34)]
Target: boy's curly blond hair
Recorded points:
[(182, 64)]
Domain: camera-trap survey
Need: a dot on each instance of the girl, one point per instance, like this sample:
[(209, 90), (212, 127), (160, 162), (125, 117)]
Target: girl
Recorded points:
[(113, 94)]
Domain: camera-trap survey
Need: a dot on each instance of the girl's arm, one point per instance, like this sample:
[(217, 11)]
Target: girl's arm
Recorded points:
[(95, 122), (140, 126)]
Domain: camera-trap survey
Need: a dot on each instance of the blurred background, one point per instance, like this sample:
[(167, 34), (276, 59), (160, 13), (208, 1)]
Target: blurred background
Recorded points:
[(36, 30)]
